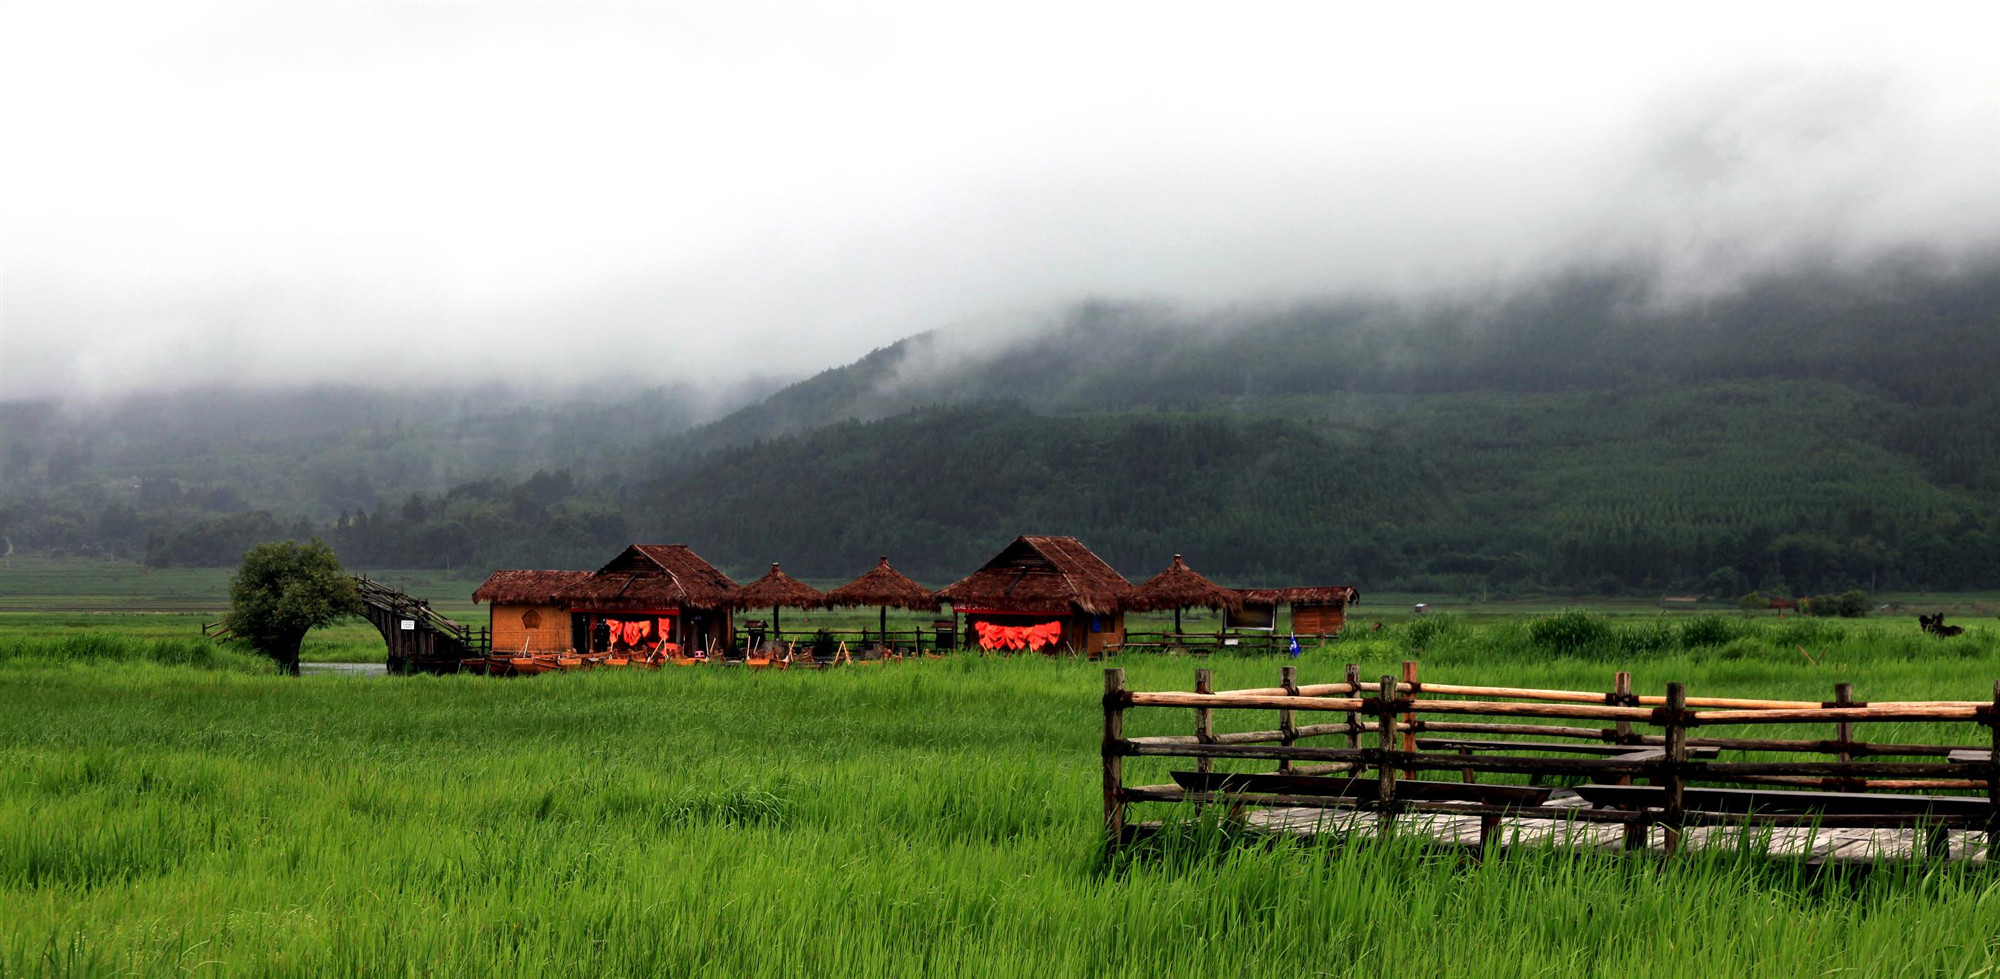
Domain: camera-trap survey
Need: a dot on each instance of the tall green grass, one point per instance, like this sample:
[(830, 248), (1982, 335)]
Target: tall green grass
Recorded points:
[(932, 818), (112, 648)]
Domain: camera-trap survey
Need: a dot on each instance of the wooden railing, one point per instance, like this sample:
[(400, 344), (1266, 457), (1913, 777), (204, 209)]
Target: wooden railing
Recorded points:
[(1624, 736), (1199, 643), (431, 643), (857, 640)]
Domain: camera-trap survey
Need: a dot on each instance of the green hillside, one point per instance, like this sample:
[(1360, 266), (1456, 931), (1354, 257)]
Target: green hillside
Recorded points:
[(1717, 488), (1591, 432)]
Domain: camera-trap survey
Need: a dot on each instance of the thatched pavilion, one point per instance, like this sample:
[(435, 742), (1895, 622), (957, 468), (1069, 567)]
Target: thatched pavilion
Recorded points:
[(884, 588), (1181, 587), (1054, 586), (778, 590)]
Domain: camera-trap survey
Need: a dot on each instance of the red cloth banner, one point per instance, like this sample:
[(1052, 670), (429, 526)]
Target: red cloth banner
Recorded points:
[(993, 635)]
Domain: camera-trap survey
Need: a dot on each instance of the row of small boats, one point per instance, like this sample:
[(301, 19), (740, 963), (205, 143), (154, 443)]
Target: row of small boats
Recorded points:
[(530, 664)]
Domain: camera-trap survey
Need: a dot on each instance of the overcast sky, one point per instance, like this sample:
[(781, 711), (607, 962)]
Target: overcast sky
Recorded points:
[(277, 193)]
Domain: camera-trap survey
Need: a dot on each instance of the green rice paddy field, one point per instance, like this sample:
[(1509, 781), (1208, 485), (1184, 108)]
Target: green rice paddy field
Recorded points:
[(171, 807)]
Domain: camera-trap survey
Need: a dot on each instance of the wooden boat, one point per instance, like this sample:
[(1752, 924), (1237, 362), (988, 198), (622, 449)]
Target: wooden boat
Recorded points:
[(568, 661), (530, 665), (618, 661)]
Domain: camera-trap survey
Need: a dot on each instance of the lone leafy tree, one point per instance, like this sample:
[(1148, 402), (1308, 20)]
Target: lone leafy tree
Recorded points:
[(284, 590)]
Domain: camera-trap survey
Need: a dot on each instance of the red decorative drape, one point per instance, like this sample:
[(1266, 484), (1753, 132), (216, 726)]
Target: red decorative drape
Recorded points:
[(993, 635)]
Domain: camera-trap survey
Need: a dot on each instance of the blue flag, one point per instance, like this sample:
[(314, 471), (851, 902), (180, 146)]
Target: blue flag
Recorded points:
[(1295, 650)]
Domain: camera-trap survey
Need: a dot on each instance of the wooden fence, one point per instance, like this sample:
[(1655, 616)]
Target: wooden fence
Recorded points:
[(1203, 643), (1422, 728)]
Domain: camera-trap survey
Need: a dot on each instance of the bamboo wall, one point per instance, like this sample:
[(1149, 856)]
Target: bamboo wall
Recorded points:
[(512, 632)]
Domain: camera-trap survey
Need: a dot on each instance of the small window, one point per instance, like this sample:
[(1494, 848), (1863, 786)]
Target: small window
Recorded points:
[(531, 619)]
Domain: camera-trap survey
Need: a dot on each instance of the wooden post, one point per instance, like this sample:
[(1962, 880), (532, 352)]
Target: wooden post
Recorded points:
[(1385, 774), (1993, 782), (1843, 732), (1354, 717), (1409, 677), (1676, 756), (1621, 696), (1204, 719), (1114, 755), (1288, 677)]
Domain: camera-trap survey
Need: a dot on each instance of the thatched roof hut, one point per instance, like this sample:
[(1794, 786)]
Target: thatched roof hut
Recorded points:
[(1042, 574), (1316, 609), (527, 587), (1306, 595), (778, 589), (883, 587), (1179, 587), (655, 576)]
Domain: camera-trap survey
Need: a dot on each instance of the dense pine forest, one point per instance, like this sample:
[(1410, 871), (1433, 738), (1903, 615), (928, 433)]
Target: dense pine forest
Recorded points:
[(1595, 432)]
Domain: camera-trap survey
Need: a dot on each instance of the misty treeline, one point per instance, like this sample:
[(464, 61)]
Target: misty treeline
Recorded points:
[(1804, 433)]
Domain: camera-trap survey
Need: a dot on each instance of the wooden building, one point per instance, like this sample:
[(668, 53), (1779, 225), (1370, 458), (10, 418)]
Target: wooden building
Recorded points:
[(648, 595), (1050, 592), (528, 610), (1319, 610)]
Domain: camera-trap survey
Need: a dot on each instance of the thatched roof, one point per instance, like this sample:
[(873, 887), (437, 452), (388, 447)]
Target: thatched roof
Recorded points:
[(777, 588), (1042, 574), (527, 587), (654, 576), (1180, 586), (1305, 595), (886, 587)]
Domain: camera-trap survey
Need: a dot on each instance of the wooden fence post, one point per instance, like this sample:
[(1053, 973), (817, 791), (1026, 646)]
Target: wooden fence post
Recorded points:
[(1114, 755), (1353, 717), (1410, 719), (1288, 677), (1843, 732), (1676, 757), (1621, 694), (1204, 722), (1993, 782), (1385, 773)]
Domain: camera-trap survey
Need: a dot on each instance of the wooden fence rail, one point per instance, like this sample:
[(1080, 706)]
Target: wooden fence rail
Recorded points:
[(1686, 784)]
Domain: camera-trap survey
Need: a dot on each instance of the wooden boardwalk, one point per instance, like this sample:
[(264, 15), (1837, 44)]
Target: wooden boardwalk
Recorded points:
[(1818, 846)]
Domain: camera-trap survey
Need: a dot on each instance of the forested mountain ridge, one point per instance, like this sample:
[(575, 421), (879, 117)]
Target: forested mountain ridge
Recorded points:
[(1814, 430), (1802, 432), (1920, 329)]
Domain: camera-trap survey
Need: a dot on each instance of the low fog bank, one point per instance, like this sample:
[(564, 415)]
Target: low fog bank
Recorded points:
[(1921, 324), (697, 195)]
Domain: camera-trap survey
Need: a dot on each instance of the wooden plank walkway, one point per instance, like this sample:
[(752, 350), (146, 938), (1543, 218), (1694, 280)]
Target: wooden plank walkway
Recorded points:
[(1818, 846)]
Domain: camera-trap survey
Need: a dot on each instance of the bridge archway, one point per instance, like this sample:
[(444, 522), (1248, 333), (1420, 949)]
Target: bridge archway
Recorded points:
[(419, 640)]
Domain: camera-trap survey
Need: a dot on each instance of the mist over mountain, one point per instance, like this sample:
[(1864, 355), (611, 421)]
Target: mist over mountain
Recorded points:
[(1918, 327), (1826, 427)]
